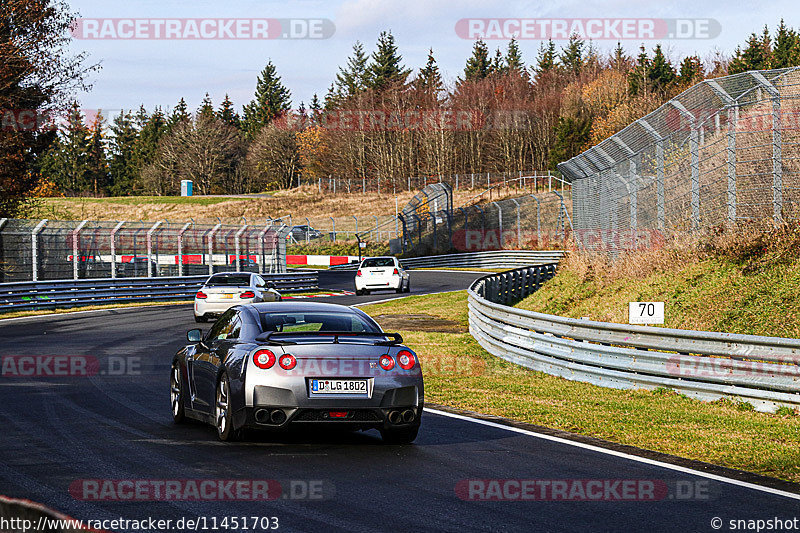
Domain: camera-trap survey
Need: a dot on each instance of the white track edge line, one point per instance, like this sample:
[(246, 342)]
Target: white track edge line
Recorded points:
[(616, 453)]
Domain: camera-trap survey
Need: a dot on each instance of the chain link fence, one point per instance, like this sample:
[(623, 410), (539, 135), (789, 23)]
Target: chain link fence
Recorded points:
[(721, 152), (39, 250)]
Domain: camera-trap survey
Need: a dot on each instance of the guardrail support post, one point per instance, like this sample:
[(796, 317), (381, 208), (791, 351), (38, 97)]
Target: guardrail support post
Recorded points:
[(75, 237), (150, 248), (35, 249)]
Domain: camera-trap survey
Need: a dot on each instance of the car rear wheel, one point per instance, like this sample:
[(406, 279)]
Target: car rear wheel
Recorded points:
[(222, 413), (176, 394), (408, 286), (399, 436)]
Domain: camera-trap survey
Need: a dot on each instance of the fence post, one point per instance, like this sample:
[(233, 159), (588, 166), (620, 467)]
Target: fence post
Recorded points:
[(694, 149), (777, 156), (333, 228), (519, 227), (180, 247), (150, 248), (435, 240), (75, 237), (262, 257), (114, 248), (377, 238), (538, 220), (35, 248), (356, 219), (211, 248), (308, 227), (733, 117), (238, 248)]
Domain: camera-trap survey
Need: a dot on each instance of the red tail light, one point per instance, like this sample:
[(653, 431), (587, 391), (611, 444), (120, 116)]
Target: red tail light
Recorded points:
[(264, 359), (386, 362), (396, 273), (287, 362), (337, 414), (201, 295), (358, 273), (406, 359), (247, 294)]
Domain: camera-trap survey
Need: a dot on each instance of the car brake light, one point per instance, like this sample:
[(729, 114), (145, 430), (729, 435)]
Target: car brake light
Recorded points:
[(287, 362), (201, 295), (406, 359), (386, 362), (396, 273), (358, 274), (337, 414), (264, 359), (247, 294)]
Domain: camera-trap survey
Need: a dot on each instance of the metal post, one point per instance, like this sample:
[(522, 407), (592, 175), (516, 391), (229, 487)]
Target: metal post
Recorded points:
[(308, 227), (150, 247), (377, 238), (733, 116), (519, 227), (114, 248), (262, 257), (238, 247), (35, 248), (75, 237), (660, 201), (777, 144), (333, 231), (211, 248), (180, 247), (356, 218)]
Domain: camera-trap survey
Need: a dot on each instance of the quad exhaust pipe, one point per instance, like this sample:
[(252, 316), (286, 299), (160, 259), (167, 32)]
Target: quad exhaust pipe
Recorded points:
[(266, 416), (404, 417)]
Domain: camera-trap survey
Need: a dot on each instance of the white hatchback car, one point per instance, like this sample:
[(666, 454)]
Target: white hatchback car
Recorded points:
[(222, 291), (382, 273)]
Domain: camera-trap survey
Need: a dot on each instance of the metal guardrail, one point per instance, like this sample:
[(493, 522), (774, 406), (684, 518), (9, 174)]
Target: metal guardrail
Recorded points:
[(492, 259), (25, 296), (706, 365)]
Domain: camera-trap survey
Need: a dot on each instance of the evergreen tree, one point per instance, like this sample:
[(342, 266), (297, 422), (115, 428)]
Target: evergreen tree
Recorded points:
[(572, 135), (429, 78), (227, 113), (150, 135), (272, 99), (386, 65), (96, 162), (753, 57), (479, 66), (66, 163), (179, 114), (331, 98), (352, 79), (787, 48), (498, 63), (206, 110), (637, 77), (571, 58), (690, 72), (661, 72), (514, 57), (316, 108), (546, 59), (122, 146), (619, 59)]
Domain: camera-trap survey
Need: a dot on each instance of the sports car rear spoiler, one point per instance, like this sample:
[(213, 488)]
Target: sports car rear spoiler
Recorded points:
[(275, 337)]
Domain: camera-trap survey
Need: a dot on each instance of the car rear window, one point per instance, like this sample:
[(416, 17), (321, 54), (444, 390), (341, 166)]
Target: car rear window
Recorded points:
[(229, 280), (378, 262), (315, 321)]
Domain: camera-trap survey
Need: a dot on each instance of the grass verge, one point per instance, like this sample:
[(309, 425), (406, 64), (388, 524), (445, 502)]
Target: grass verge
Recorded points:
[(459, 373)]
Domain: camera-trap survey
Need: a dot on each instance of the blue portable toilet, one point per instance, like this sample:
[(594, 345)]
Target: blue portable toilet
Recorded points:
[(186, 187)]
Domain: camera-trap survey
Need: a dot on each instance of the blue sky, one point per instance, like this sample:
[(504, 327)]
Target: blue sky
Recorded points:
[(159, 72)]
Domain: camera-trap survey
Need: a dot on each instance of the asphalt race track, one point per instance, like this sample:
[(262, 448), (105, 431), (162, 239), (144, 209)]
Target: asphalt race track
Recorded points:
[(116, 425)]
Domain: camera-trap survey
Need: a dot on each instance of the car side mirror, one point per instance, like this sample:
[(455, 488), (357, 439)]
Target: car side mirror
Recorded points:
[(194, 335)]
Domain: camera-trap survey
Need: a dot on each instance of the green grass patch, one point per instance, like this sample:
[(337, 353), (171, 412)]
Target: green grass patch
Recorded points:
[(461, 374)]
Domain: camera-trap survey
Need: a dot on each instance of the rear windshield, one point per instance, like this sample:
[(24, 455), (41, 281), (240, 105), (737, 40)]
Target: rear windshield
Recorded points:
[(378, 262), (288, 322), (229, 280)]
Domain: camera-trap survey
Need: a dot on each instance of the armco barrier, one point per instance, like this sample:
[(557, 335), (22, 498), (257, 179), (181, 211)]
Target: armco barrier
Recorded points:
[(26, 296), (706, 365), (500, 259)]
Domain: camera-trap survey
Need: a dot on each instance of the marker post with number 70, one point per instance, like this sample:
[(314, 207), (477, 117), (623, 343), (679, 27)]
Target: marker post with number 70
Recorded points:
[(646, 313)]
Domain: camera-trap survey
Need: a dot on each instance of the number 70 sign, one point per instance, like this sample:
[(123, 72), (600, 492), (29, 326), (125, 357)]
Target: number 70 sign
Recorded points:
[(646, 313)]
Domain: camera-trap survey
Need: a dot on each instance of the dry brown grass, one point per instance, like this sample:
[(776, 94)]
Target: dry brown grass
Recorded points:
[(300, 203)]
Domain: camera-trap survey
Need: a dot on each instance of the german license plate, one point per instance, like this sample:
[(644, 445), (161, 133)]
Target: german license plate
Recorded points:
[(338, 386)]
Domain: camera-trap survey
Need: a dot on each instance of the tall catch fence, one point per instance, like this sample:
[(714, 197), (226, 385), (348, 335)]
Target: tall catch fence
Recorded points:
[(723, 151), (39, 250)]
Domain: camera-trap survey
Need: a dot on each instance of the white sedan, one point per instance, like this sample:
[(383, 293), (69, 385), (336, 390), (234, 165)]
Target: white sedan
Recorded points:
[(382, 273), (222, 291)]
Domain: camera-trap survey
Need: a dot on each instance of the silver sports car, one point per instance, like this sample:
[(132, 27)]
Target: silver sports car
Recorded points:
[(273, 366)]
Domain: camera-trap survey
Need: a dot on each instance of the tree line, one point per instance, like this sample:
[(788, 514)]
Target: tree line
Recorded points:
[(379, 121)]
